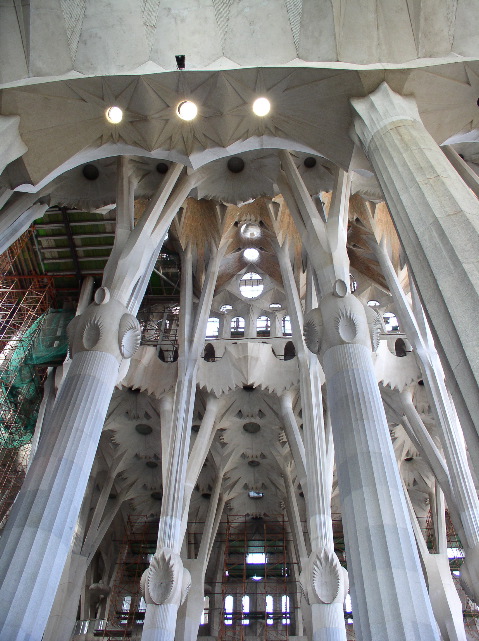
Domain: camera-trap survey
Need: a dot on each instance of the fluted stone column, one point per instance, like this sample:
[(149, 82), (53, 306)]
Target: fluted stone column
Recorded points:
[(437, 219), (166, 582), (36, 541), (390, 601)]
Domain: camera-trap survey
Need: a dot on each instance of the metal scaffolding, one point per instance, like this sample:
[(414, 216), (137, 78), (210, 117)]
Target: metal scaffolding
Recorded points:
[(258, 589), (24, 299), (126, 610)]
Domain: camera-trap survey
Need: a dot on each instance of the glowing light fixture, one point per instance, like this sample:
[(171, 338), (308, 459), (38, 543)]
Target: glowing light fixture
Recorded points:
[(187, 110), (251, 254), (114, 115), (261, 106), (250, 230)]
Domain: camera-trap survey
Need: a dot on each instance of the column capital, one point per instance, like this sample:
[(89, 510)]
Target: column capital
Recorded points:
[(379, 109), (339, 320), (105, 326), (166, 580)]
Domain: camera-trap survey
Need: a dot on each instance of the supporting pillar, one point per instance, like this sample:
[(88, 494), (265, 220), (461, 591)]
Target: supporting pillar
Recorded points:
[(437, 219), (390, 601), (164, 598), (327, 615), (388, 592), (464, 494), (36, 541)]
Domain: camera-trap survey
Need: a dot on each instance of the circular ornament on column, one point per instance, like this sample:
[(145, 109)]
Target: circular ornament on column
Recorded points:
[(102, 296), (326, 577), (185, 585), (92, 333), (129, 335), (347, 326), (313, 329), (340, 288), (160, 579)]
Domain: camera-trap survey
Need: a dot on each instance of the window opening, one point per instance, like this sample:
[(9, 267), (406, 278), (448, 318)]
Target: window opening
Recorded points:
[(212, 327), (286, 326), (256, 557), (251, 285), (390, 322), (245, 602), (206, 608), (263, 326), (269, 609), (237, 327), (126, 604), (285, 609), (229, 609), (348, 608)]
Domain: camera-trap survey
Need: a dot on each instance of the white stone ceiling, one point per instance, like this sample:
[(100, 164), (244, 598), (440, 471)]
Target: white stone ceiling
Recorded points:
[(63, 124), (97, 37)]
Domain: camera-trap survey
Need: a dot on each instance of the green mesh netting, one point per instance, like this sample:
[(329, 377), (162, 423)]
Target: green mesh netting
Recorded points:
[(43, 344)]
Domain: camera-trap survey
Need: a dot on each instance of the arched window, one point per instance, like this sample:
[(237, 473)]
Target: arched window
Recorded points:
[(209, 354), (400, 347), (390, 322), (269, 609), (245, 603), (237, 327), (212, 327), (263, 326), (206, 609), (289, 351), (286, 326), (229, 609), (285, 609)]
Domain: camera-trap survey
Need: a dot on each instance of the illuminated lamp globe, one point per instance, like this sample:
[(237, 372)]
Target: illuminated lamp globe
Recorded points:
[(114, 115), (187, 110), (251, 254), (250, 230), (261, 106)]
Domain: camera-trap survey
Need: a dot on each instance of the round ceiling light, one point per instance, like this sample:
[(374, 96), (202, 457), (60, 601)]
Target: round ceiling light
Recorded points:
[(250, 230), (114, 115), (187, 110), (251, 254), (261, 106)]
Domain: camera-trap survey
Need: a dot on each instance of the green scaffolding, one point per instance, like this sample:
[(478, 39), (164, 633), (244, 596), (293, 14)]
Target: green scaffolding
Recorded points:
[(43, 345)]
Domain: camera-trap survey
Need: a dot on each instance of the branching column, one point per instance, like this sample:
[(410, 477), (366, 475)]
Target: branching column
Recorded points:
[(390, 601), (166, 582), (311, 463), (437, 219), (36, 541)]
